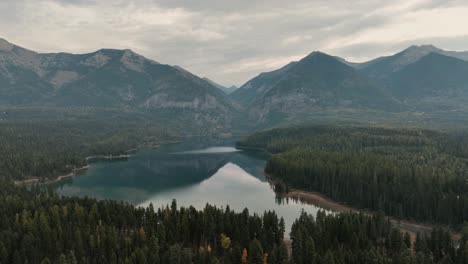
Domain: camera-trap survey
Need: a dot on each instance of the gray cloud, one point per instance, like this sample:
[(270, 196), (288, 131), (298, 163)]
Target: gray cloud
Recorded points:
[(232, 41)]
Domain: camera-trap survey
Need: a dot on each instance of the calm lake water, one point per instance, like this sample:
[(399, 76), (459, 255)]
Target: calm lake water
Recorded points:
[(195, 173)]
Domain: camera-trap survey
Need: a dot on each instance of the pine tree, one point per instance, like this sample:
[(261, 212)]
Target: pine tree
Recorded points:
[(44, 261), (3, 253), (256, 252), (62, 259), (71, 259), (329, 259), (175, 254), (310, 250), (283, 257), (407, 240)]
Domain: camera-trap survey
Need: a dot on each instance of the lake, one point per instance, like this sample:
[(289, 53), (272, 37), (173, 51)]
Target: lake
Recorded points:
[(195, 172)]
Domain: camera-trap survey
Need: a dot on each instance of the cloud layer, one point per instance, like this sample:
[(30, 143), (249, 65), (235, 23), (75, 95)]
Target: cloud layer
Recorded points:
[(232, 41)]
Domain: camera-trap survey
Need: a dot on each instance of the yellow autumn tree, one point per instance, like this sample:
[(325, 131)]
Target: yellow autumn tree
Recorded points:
[(225, 242)]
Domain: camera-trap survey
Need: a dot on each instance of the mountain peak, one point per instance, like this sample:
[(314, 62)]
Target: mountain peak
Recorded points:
[(435, 74), (405, 57), (318, 57), (426, 48), (128, 57), (135, 61), (316, 54), (110, 52)]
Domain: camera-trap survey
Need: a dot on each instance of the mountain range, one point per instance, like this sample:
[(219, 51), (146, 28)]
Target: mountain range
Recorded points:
[(109, 78), (419, 79)]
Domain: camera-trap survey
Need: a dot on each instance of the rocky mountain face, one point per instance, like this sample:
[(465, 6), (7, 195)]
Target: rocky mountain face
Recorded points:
[(257, 86), (112, 79)]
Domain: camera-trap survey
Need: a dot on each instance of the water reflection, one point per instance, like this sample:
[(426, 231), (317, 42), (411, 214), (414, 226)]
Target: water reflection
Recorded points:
[(218, 175), (211, 150)]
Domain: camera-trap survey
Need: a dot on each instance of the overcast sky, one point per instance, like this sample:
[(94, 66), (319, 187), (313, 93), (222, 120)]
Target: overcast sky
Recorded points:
[(231, 41)]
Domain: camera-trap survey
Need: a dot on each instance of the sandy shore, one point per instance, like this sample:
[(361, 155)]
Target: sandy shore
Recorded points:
[(108, 157), (71, 174), (320, 200), (48, 181)]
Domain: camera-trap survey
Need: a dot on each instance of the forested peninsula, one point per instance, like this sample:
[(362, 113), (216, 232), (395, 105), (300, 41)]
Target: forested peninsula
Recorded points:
[(411, 174)]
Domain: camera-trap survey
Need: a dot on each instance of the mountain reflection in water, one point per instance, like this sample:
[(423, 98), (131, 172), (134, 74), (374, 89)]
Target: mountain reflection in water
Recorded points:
[(193, 175)]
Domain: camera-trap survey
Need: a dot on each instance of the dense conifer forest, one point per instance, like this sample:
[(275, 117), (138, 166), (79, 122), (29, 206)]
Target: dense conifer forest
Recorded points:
[(48, 145), (37, 226), (356, 238), (408, 173)]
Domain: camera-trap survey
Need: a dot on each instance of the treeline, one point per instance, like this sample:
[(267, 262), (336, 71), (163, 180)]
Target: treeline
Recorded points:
[(407, 173), (47, 148), (40, 227), (353, 238)]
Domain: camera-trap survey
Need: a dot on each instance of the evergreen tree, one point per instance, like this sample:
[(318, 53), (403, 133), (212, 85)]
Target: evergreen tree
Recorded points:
[(255, 252)]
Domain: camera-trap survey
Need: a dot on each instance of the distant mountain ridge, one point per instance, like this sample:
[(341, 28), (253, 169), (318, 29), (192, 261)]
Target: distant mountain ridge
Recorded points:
[(320, 84), (226, 90), (317, 82), (419, 73), (108, 78), (379, 68), (434, 75)]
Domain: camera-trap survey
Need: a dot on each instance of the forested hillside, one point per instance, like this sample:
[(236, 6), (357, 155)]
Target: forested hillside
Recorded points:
[(407, 173), (50, 144)]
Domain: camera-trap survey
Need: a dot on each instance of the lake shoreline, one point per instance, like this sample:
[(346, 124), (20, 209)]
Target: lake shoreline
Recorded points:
[(320, 200), (50, 181), (89, 160)]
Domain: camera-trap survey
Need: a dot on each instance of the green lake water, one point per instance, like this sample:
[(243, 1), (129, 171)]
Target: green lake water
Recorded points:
[(195, 173)]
